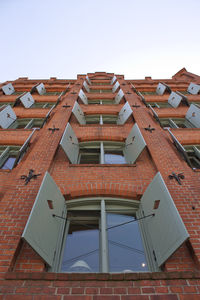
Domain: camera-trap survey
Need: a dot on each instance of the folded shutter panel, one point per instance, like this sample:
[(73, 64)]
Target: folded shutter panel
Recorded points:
[(115, 87), (124, 114), (83, 97), (7, 117), (77, 111), (134, 145), (119, 96), (8, 89), (193, 88), (40, 89), (69, 143), (174, 99), (42, 229), (193, 115), (27, 100), (166, 229)]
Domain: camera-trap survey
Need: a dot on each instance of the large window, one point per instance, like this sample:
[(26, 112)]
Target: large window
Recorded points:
[(105, 239), (104, 235), (27, 123)]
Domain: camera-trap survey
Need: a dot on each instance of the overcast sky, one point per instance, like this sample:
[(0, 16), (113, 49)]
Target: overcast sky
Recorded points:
[(63, 38)]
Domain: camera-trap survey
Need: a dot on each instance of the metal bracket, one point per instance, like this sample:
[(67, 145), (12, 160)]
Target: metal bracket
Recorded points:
[(149, 128), (178, 177), (53, 129), (73, 93), (135, 105), (66, 105), (128, 93), (30, 176)]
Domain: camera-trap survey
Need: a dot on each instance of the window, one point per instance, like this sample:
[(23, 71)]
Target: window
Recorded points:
[(27, 123), (104, 235), (86, 101), (105, 239), (193, 152), (8, 156), (119, 119), (104, 151), (191, 120), (101, 153)]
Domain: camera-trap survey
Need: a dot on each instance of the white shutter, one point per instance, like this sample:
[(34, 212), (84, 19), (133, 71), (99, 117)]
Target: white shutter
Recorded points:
[(119, 96), (174, 99), (115, 87), (88, 79), (27, 100), (83, 97), (193, 88), (86, 86), (8, 89), (193, 115), (134, 145), (42, 229), (161, 88), (77, 111), (124, 114), (7, 116), (40, 89), (70, 145), (113, 80), (166, 229)]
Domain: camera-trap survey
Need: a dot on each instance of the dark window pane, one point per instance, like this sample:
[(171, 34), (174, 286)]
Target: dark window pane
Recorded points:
[(126, 252), (81, 253)]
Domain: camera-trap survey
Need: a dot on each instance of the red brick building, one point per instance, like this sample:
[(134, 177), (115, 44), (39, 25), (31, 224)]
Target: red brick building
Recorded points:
[(100, 188)]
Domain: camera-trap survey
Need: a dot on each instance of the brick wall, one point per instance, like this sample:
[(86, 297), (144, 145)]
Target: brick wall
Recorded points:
[(23, 272)]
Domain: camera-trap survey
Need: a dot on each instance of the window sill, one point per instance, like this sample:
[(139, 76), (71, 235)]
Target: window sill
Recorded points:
[(101, 276), (102, 165)]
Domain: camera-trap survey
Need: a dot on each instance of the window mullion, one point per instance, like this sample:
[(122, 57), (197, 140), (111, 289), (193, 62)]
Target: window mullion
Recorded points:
[(103, 240), (102, 161), (101, 120)]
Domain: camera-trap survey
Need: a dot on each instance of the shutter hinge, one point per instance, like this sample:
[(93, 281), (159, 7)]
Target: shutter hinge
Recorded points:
[(154, 255)]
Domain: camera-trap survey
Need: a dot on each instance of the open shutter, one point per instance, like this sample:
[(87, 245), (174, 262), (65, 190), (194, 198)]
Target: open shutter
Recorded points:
[(8, 89), (134, 144), (7, 116), (113, 80), (166, 229), (124, 114), (193, 115), (161, 88), (174, 99), (70, 145), (27, 100), (42, 229), (40, 89), (86, 86), (193, 88), (119, 96), (88, 79), (83, 97), (115, 87), (77, 111)]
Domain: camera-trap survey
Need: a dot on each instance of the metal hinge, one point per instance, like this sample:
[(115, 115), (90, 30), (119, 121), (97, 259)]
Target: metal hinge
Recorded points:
[(154, 255)]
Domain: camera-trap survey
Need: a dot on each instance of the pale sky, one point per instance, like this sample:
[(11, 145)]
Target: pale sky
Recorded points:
[(62, 38)]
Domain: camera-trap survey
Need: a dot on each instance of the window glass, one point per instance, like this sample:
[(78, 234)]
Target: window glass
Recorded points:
[(126, 252), (114, 157), (9, 163), (81, 252)]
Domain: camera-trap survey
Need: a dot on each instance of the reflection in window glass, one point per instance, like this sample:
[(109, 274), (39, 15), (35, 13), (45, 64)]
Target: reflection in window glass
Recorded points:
[(9, 163), (126, 252), (114, 159), (81, 253)]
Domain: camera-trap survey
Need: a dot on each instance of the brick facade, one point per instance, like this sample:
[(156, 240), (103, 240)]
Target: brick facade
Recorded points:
[(23, 272)]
